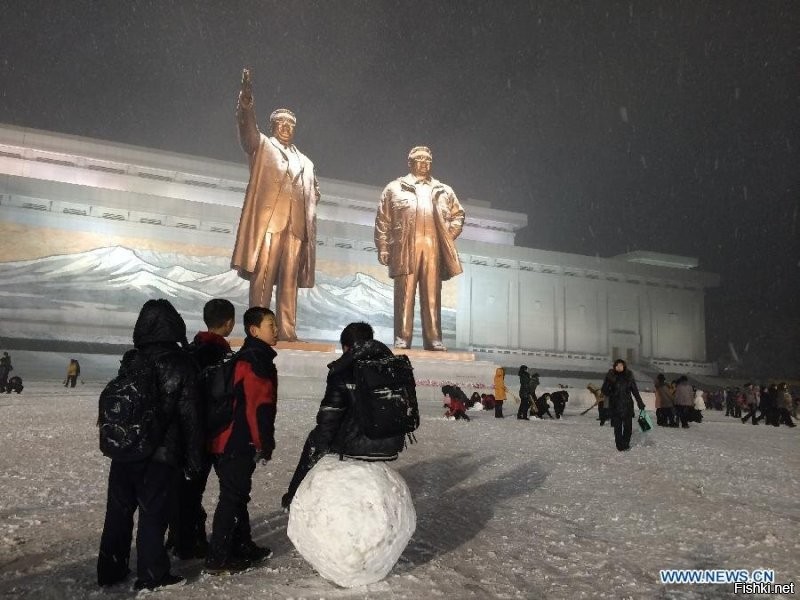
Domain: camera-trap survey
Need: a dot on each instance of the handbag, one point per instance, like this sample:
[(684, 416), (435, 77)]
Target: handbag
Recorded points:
[(645, 420)]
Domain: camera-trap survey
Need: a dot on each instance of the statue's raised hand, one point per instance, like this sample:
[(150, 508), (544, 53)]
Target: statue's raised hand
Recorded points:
[(246, 92)]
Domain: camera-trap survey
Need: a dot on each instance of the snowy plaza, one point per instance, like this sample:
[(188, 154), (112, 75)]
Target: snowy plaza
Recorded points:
[(505, 508)]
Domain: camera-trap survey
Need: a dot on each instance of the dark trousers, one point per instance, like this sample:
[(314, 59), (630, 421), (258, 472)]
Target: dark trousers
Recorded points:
[(558, 408), (542, 409), (231, 526), (752, 414), (498, 409), (665, 416), (524, 406), (145, 485), (622, 431), (683, 414), (187, 522), (786, 417), (71, 381)]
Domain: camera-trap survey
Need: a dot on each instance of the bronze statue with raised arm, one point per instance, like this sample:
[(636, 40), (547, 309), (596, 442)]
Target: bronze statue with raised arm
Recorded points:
[(276, 240), (417, 223)]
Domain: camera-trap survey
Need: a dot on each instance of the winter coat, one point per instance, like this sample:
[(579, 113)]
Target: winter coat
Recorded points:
[(338, 430), (177, 424), (534, 384), (664, 398), (499, 385), (524, 384), (395, 226), (699, 401), (684, 394), (255, 381), (209, 349), (620, 389)]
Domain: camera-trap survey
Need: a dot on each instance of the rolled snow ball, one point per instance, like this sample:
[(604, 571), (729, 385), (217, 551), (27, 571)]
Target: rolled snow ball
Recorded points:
[(351, 520)]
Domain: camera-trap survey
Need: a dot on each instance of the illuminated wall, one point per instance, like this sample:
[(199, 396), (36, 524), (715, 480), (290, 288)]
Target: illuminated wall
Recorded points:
[(90, 230)]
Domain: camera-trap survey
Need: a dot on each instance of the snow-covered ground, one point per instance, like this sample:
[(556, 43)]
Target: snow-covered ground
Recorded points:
[(506, 508)]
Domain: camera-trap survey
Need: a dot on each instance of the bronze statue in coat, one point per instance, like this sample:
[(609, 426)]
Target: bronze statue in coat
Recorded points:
[(417, 223), (276, 240)]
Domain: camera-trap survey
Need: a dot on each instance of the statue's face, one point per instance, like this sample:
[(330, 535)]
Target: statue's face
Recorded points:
[(420, 166), (283, 129)]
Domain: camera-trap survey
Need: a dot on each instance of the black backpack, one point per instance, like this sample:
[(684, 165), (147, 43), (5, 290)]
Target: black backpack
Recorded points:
[(385, 397), (128, 417), (217, 385)]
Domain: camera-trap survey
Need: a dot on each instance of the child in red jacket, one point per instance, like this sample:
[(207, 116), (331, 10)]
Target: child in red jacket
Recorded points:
[(249, 437)]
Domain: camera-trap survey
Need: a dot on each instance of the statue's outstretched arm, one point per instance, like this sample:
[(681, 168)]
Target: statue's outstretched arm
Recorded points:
[(249, 135)]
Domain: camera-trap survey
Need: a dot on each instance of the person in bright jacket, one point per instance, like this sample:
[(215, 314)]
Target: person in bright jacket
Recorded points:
[(620, 388), (73, 372), (599, 400), (499, 392), (249, 437)]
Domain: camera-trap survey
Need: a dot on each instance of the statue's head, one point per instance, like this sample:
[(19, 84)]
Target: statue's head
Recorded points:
[(282, 123), (420, 160)]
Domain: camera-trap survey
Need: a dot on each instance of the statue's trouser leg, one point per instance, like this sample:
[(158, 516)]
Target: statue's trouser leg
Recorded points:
[(263, 278), (404, 288), (279, 261), (430, 291), (287, 287)]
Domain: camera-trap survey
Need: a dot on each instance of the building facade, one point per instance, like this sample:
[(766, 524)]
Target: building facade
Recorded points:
[(90, 229)]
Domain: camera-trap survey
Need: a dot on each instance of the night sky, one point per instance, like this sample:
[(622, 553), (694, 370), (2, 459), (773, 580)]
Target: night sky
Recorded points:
[(616, 126)]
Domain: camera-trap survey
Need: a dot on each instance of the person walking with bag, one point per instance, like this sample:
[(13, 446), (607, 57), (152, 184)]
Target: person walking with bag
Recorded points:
[(620, 389)]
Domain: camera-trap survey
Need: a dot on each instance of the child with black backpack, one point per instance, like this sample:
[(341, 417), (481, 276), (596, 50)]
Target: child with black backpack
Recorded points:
[(353, 422), (249, 436), (187, 527), (150, 428)]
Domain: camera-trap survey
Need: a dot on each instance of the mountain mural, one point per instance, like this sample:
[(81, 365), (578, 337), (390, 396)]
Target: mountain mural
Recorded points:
[(95, 296)]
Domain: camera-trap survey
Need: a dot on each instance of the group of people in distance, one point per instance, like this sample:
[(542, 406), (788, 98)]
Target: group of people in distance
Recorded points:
[(774, 403), (530, 405), (164, 475)]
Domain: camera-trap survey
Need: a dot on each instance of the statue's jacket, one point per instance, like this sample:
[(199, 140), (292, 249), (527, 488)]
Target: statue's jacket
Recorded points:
[(269, 171), (395, 226)]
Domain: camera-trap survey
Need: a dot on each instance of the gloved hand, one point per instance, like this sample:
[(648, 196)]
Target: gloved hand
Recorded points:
[(264, 456), (286, 501), (641, 406)]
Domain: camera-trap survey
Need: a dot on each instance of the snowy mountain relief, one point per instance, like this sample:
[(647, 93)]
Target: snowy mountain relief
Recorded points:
[(94, 296)]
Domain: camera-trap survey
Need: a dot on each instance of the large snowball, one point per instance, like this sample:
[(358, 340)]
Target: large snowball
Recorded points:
[(352, 520)]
